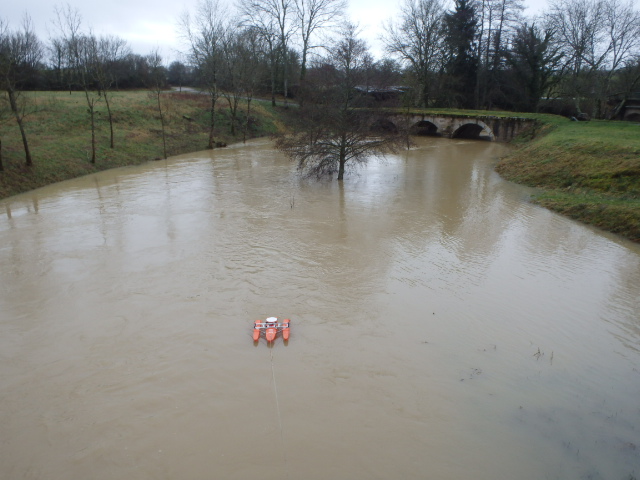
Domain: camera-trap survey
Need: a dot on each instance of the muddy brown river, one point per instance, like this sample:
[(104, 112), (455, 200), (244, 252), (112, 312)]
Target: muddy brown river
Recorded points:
[(442, 326)]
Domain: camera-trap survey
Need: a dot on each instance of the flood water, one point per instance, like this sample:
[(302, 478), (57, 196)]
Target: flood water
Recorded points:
[(442, 326)]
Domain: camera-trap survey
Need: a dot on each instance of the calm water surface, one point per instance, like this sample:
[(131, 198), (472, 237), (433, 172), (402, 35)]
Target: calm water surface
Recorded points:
[(443, 327)]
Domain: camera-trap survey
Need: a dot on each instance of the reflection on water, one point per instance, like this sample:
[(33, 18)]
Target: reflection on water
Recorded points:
[(443, 327)]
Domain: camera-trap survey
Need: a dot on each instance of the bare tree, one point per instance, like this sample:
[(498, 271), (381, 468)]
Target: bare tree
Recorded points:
[(20, 53), (622, 27), (232, 73), (81, 52), (85, 52), (274, 19), (264, 27), (598, 37), (5, 111), (507, 19), (334, 131), (250, 52), (622, 32), (109, 50), (68, 23), (497, 24), (578, 24), (204, 34), (157, 75), (416, 39), (311, 17)]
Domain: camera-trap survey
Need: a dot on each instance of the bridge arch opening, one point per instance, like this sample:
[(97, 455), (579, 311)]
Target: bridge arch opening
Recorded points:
[(384, 125), (473, 131), (424, 128)]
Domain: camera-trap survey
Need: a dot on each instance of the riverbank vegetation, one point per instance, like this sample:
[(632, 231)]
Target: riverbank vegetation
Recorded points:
[(60, 135), (589, 171)]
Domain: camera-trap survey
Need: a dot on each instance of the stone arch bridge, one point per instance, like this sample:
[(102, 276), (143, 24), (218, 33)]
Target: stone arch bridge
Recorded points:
[(483, 127)]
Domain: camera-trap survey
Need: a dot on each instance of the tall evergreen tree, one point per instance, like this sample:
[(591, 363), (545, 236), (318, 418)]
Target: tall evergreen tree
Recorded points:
[(534, 60), (462, 62)]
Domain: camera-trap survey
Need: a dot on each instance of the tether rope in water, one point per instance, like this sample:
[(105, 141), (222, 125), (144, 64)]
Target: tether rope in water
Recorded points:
[(275, 391)]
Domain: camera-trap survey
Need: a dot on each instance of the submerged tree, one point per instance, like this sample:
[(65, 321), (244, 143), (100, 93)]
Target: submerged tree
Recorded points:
[(334, 128)]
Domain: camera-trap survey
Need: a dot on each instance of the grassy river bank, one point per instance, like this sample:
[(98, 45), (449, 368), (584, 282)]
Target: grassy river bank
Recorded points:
[(59, 133), (589, 171)]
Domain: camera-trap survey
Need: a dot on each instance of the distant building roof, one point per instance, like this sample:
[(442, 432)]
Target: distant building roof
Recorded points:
[(382, 93)]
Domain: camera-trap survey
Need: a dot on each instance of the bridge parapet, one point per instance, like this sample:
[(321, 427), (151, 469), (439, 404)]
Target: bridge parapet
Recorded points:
[(502, 129)]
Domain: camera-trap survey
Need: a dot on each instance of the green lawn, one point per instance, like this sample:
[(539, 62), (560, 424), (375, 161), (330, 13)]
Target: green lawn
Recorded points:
[(589, 171), (59, 135)]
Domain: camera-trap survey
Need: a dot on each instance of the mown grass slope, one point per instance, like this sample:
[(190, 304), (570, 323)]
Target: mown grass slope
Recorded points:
[(589, 171), (58, 130)]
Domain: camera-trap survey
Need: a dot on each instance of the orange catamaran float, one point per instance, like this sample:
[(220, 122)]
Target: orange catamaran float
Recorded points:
[(270, 327)]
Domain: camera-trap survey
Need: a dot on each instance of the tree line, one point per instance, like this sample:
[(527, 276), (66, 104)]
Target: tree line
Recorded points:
[(486, 54), (480, 54)]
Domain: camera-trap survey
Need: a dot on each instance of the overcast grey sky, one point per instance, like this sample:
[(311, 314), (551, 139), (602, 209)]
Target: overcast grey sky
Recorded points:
[(147, 24)]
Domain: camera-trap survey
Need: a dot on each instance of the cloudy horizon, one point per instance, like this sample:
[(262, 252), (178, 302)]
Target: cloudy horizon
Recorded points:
[(148, 24)]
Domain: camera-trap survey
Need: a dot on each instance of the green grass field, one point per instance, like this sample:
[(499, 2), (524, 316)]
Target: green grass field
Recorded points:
[(58, 130), (589, 171)]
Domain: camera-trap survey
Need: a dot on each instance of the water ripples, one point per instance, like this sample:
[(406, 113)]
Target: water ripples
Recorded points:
[(435, 311)]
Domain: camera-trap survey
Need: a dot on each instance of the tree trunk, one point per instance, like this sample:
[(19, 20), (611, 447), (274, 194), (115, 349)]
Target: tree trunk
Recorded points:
[(14, 109), (246, 124), (425, 94), (164, 141), (1, 164), (91, 107), (233, 100), (341, 170), (479, 56), (106, 99), (303, 75), (285, 70), (343, 157), (273, 86), (212, 122), (93, 135)]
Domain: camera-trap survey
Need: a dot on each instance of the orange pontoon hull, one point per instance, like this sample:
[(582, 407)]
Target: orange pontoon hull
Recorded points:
[(270, 334), (271, 329)]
